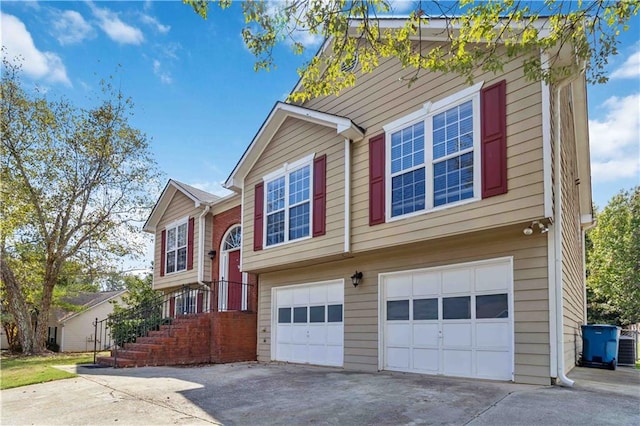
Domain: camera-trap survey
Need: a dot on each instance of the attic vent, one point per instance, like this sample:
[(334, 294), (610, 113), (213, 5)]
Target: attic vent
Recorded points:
[(349, 65)]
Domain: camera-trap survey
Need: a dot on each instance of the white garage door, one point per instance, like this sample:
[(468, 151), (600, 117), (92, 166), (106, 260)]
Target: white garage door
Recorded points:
[(454, 321), (308, 323)]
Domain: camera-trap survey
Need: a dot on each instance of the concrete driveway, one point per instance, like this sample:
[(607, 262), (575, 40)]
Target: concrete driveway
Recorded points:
[(256, 394)]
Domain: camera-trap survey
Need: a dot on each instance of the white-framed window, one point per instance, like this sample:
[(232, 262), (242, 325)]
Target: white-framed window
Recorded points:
[(176, 247), (433, 155), (233, 240), (287, 204)]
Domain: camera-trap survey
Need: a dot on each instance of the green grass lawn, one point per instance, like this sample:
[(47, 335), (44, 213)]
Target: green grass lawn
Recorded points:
[(22, 371)]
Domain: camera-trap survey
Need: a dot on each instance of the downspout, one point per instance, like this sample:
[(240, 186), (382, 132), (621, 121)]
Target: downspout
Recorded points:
[(201, 246), (557, 241), (347, 195)]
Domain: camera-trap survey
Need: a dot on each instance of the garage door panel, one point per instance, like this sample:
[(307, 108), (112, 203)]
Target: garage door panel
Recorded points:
[(398, 286), (399, 334), (335, 293), (426, 283), (309, 323), (285, 297), (334, 355), (398, 358), (493, 365), (301, 296), (491, 277), (317, 334), (492, 335), (456, 281), (457, 363), (456, 335), (426, 360), (454, 320), (283, 334), (318, 295), (425, 334), (335, 333)]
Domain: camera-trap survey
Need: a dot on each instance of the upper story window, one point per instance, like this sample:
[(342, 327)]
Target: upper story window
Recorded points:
[(434, 155), (176, 248), (288, 202)]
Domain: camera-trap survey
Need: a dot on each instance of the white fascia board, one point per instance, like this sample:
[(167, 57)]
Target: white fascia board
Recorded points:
[(581, 136), (279, 113)]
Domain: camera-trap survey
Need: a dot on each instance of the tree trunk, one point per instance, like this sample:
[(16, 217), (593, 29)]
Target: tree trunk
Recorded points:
[(18, 308), (43, 313)]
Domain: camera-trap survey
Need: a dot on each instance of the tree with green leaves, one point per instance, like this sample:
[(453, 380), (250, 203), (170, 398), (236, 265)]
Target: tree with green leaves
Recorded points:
[(75, 183), (472, 32), (613, 261)]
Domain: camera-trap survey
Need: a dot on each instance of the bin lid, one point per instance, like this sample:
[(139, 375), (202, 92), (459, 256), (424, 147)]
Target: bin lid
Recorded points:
[(600, 325)]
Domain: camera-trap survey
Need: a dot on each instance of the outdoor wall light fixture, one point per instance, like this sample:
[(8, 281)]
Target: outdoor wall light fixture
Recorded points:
[(212, 254), (356, 278), (535, 225)]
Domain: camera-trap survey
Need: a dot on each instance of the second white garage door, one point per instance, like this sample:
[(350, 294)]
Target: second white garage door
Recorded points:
[(455, 320), (307, 321)]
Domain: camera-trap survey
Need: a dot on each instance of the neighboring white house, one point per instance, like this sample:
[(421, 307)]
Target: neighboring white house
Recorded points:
[(73, 331), (4, 343)]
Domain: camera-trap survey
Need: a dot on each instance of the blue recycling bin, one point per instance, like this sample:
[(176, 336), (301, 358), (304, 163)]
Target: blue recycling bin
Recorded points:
[(600, 345)]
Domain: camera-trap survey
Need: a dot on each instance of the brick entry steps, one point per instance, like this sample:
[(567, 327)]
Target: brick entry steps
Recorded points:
[(193, 339)]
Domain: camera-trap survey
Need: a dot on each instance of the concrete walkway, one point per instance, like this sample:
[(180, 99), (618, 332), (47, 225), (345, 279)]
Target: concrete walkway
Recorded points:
[(257, 394)]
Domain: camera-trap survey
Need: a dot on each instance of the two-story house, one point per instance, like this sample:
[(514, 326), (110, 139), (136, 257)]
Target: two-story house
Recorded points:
[(435, 229)]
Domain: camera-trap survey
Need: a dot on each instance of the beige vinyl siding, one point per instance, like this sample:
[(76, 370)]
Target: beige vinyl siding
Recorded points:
[(179, 207), (572, 265), (77, 333), (380, 98), (361, 304), (294, 140)]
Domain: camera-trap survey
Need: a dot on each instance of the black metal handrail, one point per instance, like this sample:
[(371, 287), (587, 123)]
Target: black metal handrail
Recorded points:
[(128, 324)]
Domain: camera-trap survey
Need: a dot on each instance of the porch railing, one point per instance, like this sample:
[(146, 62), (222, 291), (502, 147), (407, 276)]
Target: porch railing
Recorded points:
[(126, 325)]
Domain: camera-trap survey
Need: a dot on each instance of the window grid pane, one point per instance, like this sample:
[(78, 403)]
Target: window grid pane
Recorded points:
[(492, 306), (299, 221), (275, 228), (334, 313), (316, 314), (299, 186), (453, 179), (182, 235), (408, 192), (407, 148), (397, 310), (181, 264), (456, 307), (300, 315), (284, 315), (275, 195), (453, 130)]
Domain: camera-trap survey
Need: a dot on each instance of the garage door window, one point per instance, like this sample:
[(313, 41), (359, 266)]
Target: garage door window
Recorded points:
[(316, 314), (300, 315), (334, 313), (456, 307), (425, 309), (492, 306), (284, 315), (397, 310)]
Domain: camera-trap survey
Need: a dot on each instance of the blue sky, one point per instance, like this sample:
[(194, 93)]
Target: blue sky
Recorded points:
[(199, 101)]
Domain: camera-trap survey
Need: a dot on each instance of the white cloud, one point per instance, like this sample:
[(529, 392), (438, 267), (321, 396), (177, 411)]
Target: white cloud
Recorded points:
[(402, 6), (631, 67), (70, 27), (165, 76), (36, 64), (615, 140), (113, 26), (150, 20)]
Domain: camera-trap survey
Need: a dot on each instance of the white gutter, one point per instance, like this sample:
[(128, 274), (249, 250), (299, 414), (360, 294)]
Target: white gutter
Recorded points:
[(201, 246), (555, 284), (347, 195)]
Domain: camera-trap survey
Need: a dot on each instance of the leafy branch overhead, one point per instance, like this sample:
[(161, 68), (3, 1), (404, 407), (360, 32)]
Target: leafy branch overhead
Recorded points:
[(471, 33)]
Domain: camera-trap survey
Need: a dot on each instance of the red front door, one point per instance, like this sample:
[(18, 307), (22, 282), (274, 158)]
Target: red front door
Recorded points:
[(234, 289)]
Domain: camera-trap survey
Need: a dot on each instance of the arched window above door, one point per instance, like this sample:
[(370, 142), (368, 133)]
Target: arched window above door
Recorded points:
[(233, 240)]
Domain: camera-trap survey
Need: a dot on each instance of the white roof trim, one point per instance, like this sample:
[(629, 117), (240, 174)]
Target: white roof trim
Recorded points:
[(281, 111)]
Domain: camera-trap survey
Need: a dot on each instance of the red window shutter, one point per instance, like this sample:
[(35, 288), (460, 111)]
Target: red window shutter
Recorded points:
[(319, 195), (258, 214), (172, 307), (163, 251), (493, 116), (376, 180), (190, 243)]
